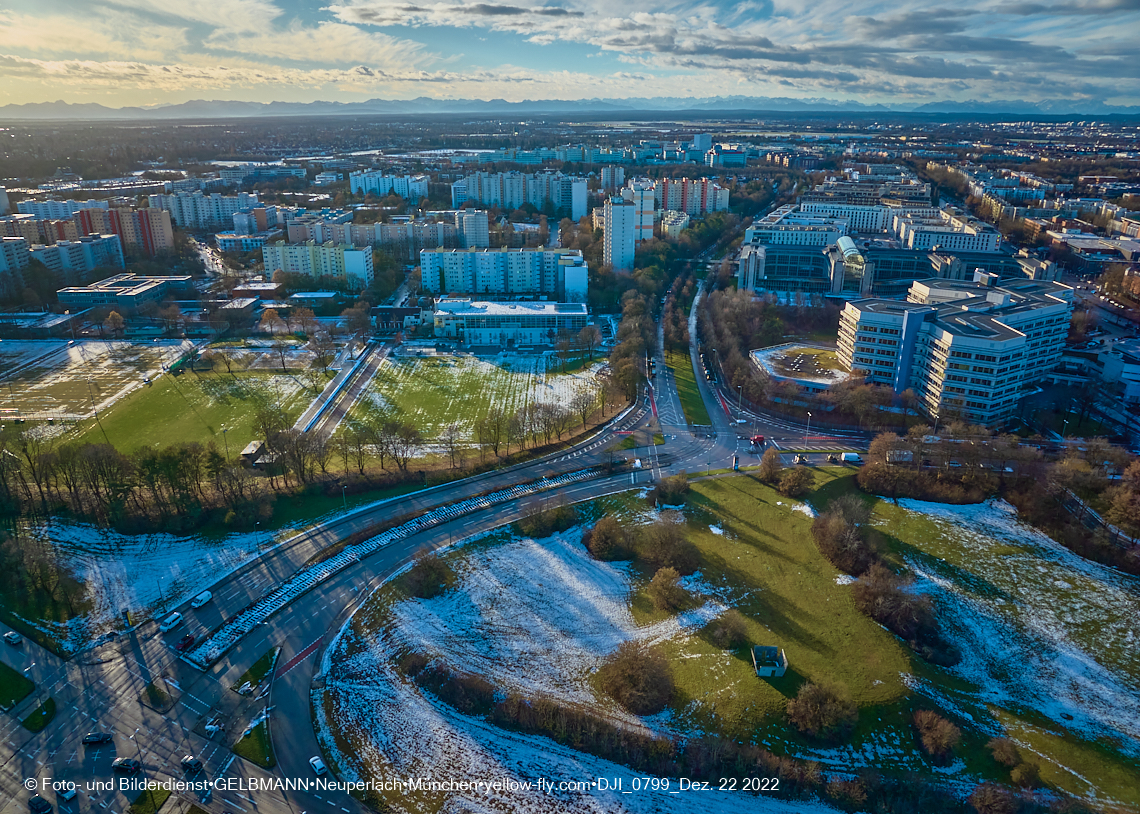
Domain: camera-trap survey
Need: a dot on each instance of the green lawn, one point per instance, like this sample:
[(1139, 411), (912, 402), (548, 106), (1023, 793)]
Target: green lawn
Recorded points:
[(434, 392), (256, 748), (40, 717), (691, 402), (259, 670), (194, 407), (14, 687)]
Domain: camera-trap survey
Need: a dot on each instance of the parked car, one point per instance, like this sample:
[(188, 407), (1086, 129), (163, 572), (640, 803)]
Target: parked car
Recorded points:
[(13, 638), (97, 737), (126, 765), (38, 805), (191, 764), (184, 643), (318, 765)]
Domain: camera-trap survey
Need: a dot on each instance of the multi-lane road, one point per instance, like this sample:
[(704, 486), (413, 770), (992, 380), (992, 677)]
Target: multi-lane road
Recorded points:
[(102, 689)]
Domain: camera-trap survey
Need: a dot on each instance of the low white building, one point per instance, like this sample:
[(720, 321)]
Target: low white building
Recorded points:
[(508, 324)]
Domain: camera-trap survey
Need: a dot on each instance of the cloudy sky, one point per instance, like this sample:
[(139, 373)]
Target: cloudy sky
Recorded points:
[(147, 52)]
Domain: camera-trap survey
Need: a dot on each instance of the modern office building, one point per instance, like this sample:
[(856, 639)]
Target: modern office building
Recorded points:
[(409, 187), (641, 194), (341, 261), (508, 324), (197, 210), (966, 348), (126, 293), (76, 258), (561, 274), (619, 233)]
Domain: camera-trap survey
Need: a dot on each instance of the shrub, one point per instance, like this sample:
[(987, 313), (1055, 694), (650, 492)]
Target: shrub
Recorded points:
[(430, 577), (728, 631), (670, 491), (666, 592), (990, 798), (819, 712), (637, 678), (1005, 752), (796, 482), (1026, 775), (607, 540), (770, 466), (937, 735), (663, 544)]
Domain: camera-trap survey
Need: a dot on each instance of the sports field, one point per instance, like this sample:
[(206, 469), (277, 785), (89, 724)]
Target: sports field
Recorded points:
[(51, 378), (435, 391)]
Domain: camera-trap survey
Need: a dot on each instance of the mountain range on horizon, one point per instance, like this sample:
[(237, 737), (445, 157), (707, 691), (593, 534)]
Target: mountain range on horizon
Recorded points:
[(203, 109)]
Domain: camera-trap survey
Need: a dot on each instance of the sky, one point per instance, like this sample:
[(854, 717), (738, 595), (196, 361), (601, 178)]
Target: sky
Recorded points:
[(157, 52)]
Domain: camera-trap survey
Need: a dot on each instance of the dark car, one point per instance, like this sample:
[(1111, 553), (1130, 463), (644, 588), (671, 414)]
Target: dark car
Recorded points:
[(184, 643), (191, 764), (126, 765), (97, 737), (38, 805)]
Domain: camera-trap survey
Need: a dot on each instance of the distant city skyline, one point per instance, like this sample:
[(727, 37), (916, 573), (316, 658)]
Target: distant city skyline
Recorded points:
[(159, 52)]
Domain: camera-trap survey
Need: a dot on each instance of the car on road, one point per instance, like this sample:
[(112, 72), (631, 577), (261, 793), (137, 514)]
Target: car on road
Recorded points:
[(97, 737), (184, 643), (38, 805), (126, 765), (191, 764), (319, 767), (13, 638)]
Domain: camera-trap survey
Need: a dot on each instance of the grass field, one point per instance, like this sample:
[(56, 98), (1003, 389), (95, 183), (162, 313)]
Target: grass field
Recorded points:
[(691, 402), (194, 407), (53, 377), (255, 747), (14, 687), (434, 392)]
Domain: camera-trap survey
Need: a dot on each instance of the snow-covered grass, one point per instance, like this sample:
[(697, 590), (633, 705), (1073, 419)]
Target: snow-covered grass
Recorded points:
[(1039, 627), (436, 391)]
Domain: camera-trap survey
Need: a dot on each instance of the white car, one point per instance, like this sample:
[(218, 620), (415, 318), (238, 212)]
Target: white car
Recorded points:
[(319, 767)]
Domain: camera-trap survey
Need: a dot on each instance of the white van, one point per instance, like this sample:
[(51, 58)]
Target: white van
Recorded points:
[(201, 599), (851, 458), (170, 622)]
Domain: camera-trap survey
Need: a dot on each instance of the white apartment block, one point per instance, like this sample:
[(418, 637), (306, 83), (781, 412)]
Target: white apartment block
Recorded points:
[(472, 228), (510, 190), (693, 196), (641, 194), (619, 233), (196, 210), (966, 349), (311, 259), (410, 187), (55, 210), (508, 324), (949, 229), (502, 273), (80, 256)]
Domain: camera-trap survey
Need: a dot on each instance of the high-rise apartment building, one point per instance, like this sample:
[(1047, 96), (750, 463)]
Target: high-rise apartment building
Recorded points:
[(640, 193), (966, 348), (504, 273), (472, 228), (340, 261), (619, 233), (410, 187), (197, 210)]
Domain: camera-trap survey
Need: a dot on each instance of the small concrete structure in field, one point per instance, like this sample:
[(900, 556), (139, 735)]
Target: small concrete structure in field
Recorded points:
[(770, 662)]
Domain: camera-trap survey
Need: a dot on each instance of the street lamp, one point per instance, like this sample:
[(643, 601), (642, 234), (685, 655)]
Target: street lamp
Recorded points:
[(807, 430)]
